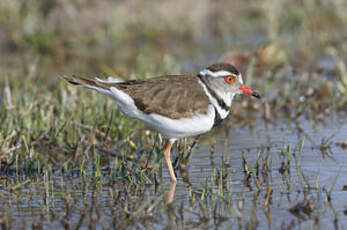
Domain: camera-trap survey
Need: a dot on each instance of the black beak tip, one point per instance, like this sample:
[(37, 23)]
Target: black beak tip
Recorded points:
[(255, 94)]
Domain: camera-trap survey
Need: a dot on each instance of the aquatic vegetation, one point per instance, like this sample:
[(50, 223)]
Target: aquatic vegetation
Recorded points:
[(69, 158)]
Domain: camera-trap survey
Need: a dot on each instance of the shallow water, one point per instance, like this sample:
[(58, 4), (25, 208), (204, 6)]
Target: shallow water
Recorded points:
[(58, 200), (320, 169)]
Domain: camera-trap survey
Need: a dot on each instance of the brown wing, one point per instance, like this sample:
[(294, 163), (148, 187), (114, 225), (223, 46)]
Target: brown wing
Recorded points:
[(173, 96)]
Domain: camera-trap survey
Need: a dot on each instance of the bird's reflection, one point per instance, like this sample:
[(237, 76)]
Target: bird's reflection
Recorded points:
[(171, 192)]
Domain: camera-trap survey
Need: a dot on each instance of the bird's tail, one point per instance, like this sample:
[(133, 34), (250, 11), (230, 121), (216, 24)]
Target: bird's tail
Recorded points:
[(103, 86), (88, 83)]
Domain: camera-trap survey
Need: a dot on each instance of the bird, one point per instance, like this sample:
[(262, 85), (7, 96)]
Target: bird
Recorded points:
[(176, 106)]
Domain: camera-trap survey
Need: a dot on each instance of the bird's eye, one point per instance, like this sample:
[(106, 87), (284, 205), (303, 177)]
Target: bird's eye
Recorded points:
[(230, 79)]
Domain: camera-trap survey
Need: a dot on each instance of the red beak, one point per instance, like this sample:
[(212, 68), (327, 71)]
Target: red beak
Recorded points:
[(246, 90)]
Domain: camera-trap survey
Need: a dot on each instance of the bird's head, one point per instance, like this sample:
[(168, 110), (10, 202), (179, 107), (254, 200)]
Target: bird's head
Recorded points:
[(225, 79)]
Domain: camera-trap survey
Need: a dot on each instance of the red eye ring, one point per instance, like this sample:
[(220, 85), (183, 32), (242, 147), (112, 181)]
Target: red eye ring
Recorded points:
[(230, 79)]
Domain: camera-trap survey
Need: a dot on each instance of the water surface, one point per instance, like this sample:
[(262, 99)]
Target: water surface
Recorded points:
[(60, 200)]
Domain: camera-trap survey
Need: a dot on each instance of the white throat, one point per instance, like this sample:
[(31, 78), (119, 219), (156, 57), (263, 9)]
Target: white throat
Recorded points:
[(227, 98)]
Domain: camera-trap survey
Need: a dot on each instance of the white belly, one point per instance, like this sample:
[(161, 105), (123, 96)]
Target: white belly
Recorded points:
[(179, 128), (169, 128)]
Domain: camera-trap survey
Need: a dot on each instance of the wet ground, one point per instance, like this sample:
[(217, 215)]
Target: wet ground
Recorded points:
[(241, 180), (289, 173)]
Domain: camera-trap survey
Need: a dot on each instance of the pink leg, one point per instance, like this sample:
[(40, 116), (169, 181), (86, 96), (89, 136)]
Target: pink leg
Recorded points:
[(167, 145)]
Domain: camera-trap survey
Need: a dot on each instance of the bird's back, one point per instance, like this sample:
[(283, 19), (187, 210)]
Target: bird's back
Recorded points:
[(173, 96)]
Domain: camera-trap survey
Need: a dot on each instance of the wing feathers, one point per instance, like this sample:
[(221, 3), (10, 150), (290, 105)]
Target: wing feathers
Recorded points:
[(172, 96)]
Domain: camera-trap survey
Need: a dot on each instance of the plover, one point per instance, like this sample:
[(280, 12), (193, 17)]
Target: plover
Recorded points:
[(176, 106)]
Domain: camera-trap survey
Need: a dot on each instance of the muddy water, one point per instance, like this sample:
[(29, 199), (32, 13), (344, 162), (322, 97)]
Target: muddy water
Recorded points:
[(321, 169), (72, 200)]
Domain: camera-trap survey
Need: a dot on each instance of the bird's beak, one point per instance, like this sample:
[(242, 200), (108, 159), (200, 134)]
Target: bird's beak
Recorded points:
[(246, 90)]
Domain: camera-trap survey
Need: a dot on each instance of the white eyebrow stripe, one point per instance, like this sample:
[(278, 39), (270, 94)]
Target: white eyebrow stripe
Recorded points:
[(240, 78), (220, 73)]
